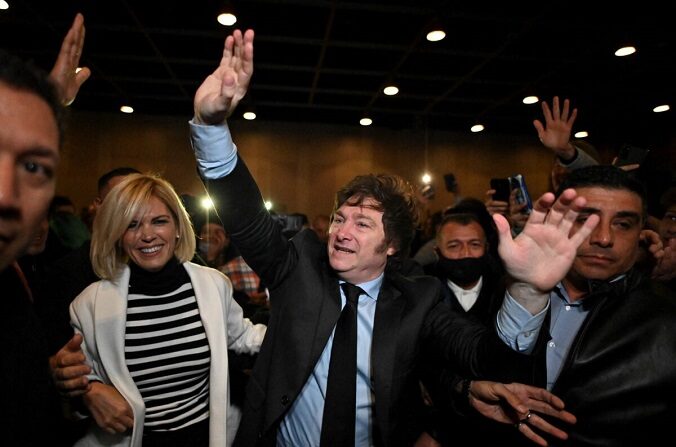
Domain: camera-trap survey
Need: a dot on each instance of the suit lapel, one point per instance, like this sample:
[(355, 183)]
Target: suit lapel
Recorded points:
[(329, 312)]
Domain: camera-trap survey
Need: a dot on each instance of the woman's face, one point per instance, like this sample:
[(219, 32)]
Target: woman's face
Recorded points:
[(150, 239)]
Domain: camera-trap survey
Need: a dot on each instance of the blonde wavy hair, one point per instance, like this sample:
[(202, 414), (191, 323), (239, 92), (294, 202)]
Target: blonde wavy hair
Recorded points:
[(125, 202)]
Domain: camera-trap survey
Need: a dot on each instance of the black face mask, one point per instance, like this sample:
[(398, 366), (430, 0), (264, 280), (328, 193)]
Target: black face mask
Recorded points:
[(464, 271)]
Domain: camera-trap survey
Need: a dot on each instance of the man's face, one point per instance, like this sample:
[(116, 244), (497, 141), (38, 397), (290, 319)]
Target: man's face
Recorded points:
[(29, 155), (613, 246), (213, 235), (357, 248), (112, 182), (321, 226), (457, 241)]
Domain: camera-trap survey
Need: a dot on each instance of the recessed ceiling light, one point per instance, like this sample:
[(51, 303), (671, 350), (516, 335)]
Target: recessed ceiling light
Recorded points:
[(662, 108), (625, 51), (477, 128), (366, 121), (581, 134), (207, 203), (4, 4), (227, 19), (390, 90), (249, 116), (530, 99), (436, 35), (126, 109), (426, 178)]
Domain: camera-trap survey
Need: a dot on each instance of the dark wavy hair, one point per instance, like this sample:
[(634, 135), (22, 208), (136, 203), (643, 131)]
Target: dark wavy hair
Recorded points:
[(395, 198), (25, 76)]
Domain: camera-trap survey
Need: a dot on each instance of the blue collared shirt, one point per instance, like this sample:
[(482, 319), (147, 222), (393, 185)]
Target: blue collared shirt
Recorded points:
[(565, 321), (302, 424), (517, 327)]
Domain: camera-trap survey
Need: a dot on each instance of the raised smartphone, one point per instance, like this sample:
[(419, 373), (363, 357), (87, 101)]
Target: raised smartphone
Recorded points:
[(502, 187), (519, 183)]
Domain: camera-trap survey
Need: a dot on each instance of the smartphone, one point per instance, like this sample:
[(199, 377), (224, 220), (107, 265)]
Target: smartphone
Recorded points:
[(630, 155), (519, 183), (502, 189)]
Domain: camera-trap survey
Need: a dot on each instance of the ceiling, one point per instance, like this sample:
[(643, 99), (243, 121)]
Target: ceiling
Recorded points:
[(328, 61)]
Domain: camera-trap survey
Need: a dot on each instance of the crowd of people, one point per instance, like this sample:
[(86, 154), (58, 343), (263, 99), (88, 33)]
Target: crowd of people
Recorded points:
[(552, 325)]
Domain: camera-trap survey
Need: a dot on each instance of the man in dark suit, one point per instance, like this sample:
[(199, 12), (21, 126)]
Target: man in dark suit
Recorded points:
[(471, 278), (372, 224)]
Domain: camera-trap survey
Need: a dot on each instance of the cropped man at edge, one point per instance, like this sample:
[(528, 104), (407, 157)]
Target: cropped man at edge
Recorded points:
[(30, 139), (289, 392), (608, 344)]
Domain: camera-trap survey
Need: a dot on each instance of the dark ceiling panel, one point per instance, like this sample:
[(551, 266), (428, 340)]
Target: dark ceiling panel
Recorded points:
[(327, 61)]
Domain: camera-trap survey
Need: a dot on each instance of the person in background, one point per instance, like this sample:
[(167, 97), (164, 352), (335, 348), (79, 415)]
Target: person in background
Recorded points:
[(569, 154), (216, 249), (471, 279), (320, 225), (665, 269), (426, 254), (66, 225), (464, 266), (290, 392), (69, 275), (156, 328), (31, 109), (555, 134)]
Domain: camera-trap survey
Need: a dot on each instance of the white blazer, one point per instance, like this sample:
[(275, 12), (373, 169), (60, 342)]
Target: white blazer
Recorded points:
[(100, 312)]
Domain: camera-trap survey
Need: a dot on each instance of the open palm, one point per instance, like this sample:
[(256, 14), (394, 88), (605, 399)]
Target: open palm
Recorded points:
[(544, 251), (221, 91)]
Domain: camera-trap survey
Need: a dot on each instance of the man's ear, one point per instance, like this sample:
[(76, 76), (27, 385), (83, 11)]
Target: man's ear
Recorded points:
[(391, 250)]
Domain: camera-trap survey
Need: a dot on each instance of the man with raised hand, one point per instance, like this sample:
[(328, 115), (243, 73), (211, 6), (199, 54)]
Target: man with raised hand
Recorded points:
[(315, 285)]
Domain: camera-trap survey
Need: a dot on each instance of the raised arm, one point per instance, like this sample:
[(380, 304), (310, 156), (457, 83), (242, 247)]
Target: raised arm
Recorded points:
[(555, 133), (543, 253), (239, 201), (64, 73), (222, 90)]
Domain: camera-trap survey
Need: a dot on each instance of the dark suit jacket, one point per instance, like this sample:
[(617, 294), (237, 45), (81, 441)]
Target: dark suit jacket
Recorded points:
[(448, 420), (619, 377), (305, 301), (31, 411)]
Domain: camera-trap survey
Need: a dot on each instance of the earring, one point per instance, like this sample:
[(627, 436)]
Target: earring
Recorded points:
[(178, 236)]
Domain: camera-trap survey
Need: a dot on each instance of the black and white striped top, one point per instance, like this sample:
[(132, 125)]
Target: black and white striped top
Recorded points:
[(166, 348)]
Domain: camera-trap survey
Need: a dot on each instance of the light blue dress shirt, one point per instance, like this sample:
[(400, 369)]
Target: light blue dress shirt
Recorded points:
[(302, 424), (517, 327), (565, 321)]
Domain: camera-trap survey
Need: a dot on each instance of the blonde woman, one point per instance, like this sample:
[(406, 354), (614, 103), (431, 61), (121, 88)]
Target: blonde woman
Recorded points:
[(156, 327)]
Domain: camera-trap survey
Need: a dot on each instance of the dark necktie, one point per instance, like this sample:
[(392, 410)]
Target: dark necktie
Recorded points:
[(339, 406)]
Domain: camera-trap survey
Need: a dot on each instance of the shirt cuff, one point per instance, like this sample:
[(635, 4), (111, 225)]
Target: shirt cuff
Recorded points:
[(517, 327), (215, 152)]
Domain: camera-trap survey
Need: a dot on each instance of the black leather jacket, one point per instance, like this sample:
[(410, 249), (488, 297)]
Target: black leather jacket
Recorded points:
[(619, 378)]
